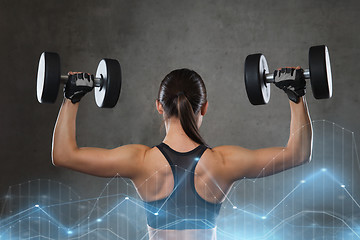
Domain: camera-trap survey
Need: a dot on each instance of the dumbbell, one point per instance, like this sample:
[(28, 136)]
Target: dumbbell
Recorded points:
[(107, 81), (258, 78)]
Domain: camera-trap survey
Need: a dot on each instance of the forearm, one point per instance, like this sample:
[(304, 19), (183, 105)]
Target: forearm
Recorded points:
[(299, 146), (64, 138)]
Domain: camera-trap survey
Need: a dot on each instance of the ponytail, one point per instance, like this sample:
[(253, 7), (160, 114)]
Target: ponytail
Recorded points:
[(186, 115), (182, 93)]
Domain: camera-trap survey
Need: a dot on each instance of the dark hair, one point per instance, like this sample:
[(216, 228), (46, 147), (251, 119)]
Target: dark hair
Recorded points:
[(182, 93)]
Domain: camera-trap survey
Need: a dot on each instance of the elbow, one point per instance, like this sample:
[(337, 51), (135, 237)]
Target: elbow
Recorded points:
[(299, 158), (60, 158), (57, 158), (307, 155), (301, 154), (61, 154), (55, 161), (305, 159)]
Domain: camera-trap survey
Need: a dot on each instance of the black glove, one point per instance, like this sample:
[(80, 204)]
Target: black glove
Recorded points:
[(78, 85), (292, 81)]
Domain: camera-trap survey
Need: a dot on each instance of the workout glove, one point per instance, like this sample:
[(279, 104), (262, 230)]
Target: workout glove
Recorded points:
[(292, 81), (78, 85)]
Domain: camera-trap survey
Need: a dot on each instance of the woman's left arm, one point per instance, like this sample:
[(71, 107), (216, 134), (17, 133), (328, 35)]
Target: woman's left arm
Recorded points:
[(125, 161)]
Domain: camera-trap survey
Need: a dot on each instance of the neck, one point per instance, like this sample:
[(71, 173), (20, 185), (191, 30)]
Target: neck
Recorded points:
[(176, 136)]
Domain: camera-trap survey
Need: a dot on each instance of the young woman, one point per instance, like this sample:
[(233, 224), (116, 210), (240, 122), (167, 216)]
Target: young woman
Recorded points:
[(183, 181)]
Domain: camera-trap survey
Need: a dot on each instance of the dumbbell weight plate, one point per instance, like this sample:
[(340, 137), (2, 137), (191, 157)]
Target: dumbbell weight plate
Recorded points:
[(320, 72), (257, 89), (107, 95), (48, 77)]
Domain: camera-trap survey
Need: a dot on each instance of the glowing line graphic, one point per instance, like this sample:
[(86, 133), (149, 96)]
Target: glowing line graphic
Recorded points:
[(42, 212)]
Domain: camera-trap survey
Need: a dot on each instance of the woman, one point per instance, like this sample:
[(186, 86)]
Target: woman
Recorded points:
[(182, 181)]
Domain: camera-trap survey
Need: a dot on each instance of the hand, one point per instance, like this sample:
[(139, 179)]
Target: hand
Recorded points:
[(291, 81), (78, 85)]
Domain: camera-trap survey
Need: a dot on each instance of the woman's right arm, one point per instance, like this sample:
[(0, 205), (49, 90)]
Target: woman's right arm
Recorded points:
[(238, 162), (125, 161)]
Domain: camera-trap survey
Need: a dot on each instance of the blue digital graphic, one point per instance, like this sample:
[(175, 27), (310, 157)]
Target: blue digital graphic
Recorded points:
[(319, 200)]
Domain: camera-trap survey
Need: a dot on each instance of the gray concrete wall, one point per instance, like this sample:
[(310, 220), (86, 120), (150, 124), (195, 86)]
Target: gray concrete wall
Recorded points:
[(151, 38)]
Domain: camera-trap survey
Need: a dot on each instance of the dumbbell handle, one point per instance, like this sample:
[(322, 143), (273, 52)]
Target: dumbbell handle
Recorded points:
[(97, 81), (270, 76)]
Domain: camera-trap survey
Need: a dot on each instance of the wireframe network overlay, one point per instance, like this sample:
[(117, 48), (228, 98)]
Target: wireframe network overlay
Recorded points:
[(319, 200)]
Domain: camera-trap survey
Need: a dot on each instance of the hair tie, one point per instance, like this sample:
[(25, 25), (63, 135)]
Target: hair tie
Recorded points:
[(180, 93)]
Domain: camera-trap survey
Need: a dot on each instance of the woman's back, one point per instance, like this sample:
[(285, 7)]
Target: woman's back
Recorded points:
[(174, 205), (157, 181), (164, 177)]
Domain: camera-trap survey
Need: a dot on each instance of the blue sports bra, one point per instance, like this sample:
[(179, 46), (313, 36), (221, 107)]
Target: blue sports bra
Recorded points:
[(183, 208)]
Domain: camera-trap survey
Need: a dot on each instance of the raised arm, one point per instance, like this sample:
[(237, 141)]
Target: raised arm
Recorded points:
[(239, 162), (125, 161)]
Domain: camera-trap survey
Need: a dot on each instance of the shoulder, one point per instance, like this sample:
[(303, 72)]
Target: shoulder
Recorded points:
[(137, 151), (146, 154), (221, 162), (233, 162), (132, 157), (134, 147), (226, 150), (229, 153), (213, 157)]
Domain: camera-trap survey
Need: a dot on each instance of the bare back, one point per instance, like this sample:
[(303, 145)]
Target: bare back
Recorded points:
[(150, 172), (157, 182)]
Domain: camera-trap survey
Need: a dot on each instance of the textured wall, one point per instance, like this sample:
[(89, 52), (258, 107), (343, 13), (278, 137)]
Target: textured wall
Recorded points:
[(151, 38)]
